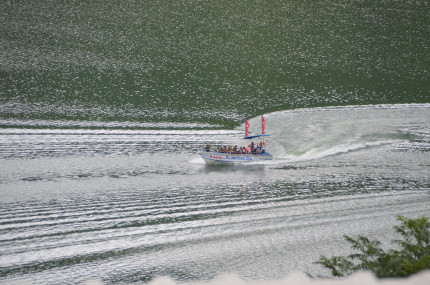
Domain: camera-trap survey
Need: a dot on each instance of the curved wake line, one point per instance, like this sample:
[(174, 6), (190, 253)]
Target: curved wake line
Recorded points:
[(336, 150), (308, 134), (359, 107)]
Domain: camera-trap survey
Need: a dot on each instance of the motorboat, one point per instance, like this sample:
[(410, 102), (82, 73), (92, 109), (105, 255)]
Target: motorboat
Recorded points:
[(250, 153)]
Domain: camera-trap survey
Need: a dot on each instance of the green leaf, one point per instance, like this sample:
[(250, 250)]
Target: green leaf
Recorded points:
[(413, 256)]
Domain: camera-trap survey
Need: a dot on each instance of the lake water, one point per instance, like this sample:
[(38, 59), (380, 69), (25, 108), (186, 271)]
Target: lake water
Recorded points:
[(129, 205), (104, 106)]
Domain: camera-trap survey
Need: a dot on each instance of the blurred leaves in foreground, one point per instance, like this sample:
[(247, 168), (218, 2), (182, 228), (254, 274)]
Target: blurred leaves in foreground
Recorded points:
[(412, 254)]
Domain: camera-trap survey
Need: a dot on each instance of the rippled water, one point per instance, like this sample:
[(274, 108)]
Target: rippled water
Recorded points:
[(208, 62), (128, 205), (104, 105)]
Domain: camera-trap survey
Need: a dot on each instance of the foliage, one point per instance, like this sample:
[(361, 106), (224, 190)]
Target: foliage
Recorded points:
[(413, 255)]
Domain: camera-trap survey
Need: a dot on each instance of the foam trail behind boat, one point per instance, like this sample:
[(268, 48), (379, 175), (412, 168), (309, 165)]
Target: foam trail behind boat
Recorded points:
[(307, 134)]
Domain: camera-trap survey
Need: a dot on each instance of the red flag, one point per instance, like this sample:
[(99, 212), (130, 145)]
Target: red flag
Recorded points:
[(246, 128), (263, 129)]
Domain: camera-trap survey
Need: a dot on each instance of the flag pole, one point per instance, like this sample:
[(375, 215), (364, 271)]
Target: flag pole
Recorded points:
[(262, 130)]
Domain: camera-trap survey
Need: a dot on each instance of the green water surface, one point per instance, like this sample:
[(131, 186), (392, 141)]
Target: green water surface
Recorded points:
[(208, 61)]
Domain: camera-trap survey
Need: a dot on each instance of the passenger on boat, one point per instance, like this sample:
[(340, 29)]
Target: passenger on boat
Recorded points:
[(262, 147), (248, 149), (252, 148)]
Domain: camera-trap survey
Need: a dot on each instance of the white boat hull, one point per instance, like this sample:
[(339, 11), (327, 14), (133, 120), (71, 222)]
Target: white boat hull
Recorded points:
[(228, 158)]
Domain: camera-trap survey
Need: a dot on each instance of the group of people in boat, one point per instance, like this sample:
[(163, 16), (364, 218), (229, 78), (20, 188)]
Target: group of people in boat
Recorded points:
[(252, 148)]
